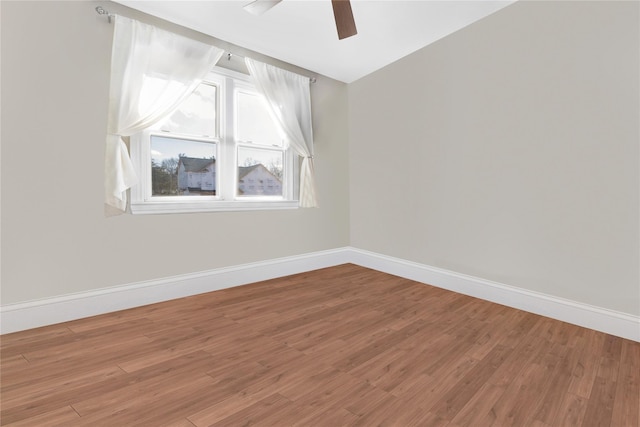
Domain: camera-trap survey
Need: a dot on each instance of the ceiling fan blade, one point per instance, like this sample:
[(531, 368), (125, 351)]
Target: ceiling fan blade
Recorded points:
[(343, 14), (258, 7)]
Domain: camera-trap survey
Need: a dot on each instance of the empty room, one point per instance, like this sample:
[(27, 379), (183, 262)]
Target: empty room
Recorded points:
[(320, 213)]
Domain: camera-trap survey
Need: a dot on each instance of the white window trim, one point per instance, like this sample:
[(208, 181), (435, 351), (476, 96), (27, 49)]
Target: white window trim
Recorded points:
[(226, 200)]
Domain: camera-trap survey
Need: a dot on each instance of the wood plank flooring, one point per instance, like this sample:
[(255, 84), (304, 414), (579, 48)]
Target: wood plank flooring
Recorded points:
[(339, 346)]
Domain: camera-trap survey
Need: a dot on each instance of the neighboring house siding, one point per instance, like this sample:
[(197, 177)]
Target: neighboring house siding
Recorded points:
[(257, 180), (196, 174)]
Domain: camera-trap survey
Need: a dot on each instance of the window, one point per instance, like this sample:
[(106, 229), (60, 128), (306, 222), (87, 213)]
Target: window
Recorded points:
[(220, 150)]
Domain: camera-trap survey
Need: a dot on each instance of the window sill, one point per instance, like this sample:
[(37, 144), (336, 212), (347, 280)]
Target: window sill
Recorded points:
[(163, 207)]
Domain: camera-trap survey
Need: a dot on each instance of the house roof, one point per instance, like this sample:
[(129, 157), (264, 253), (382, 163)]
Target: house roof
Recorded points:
[(192, 164), (244, 170)]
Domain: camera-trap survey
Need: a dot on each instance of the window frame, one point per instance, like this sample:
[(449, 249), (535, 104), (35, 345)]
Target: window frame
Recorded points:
[(228, 83)]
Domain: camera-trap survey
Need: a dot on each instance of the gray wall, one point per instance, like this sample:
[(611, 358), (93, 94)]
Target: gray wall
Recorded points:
[(55, 238), (509, 151)]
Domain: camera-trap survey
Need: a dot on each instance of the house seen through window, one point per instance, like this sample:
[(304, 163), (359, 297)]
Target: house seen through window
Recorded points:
[(219, 149)]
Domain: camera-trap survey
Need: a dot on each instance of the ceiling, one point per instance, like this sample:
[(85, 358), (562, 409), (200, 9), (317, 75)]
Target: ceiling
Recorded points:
[(303, 32)]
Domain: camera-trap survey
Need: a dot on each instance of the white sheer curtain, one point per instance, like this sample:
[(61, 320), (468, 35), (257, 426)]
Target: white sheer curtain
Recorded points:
[(152, 72), (289, 98)]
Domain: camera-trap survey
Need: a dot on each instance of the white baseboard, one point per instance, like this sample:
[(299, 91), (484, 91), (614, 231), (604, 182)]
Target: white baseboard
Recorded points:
[(612, 322), (48, 311), (32, 314)]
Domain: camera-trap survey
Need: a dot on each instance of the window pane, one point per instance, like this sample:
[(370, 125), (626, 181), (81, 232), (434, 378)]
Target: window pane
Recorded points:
[(254, 123), (182, 167), (195, 116), (259, 172)]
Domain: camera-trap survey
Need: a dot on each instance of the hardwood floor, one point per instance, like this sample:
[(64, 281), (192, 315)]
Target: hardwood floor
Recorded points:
[(339, 346)]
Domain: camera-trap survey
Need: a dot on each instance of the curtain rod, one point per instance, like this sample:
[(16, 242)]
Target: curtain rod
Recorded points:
[(230, 55), (102, 11)]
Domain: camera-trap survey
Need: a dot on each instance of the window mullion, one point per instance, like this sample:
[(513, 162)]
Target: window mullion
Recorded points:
[(228, 149)]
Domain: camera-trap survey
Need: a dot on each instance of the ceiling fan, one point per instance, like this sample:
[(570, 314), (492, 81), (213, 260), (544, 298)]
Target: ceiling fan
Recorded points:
[(342, 13)]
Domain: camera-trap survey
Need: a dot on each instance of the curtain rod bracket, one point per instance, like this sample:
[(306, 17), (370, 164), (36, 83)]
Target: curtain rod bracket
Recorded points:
[(102, 11)]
